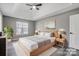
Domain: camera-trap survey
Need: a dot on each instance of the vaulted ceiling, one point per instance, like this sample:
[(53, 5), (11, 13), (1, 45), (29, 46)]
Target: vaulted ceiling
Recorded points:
[(21, 10)]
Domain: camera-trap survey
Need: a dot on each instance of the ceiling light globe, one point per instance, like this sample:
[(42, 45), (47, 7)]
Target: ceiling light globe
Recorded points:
[(34, 7)]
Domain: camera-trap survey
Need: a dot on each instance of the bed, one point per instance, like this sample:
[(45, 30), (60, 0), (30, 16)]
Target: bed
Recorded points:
[(34, 45)]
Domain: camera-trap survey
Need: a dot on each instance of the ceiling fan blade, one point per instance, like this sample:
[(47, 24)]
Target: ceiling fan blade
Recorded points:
[(37, 8), (38, 5), (30, 8), (28, 4)]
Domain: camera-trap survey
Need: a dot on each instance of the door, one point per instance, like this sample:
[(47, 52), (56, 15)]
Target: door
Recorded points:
[(0, 22), (74, 31)]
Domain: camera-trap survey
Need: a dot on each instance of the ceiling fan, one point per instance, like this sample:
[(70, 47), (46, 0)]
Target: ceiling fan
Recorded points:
[(34, 6)]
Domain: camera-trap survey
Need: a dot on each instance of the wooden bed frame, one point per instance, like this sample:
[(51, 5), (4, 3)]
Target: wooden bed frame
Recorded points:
[(37, 51)]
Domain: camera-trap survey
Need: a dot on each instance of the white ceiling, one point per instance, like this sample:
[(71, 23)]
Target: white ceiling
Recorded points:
[(20, 10)]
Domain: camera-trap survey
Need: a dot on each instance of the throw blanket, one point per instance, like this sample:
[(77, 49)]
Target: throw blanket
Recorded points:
[(34, 42)]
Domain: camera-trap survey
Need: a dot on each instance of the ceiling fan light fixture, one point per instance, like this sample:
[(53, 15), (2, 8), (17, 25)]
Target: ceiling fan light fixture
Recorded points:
[(37, 8), (34, 7)]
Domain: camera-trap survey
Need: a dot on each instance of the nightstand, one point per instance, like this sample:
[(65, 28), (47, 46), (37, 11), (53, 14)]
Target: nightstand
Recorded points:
[(60, 42)]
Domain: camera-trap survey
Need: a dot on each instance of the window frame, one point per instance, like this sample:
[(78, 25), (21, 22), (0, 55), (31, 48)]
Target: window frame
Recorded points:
[(21, 26)]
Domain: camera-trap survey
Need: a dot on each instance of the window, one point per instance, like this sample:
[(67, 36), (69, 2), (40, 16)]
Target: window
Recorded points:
[(21, 28)]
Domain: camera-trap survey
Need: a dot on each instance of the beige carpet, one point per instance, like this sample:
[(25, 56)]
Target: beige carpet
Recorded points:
[(19, 51), (48, 52)]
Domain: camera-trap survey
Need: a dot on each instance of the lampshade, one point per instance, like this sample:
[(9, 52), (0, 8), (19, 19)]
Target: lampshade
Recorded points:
[(36, 30), (61, 30)]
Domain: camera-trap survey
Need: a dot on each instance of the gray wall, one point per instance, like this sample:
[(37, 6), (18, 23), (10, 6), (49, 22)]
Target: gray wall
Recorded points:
[(62, 20), (12, 22), (41, 25)]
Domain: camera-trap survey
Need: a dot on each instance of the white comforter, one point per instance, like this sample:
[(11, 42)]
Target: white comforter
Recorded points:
[(31, 42)]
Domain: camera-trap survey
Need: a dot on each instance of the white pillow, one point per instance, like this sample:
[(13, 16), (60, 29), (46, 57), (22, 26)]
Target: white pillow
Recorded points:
[(41, 33), (47, 34)]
